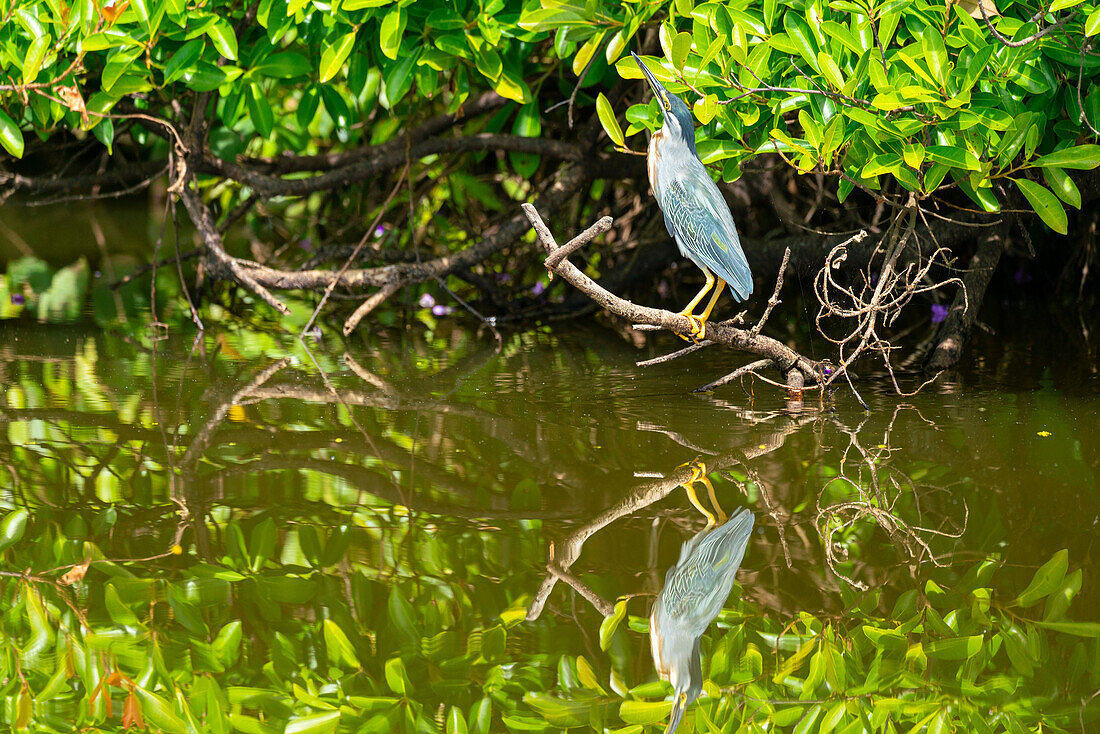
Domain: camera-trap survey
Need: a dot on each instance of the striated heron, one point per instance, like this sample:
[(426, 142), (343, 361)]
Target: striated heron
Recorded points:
[(695, 590), (696, 215)]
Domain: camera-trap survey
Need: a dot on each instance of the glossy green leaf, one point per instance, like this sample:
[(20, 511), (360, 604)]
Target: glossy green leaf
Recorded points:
[(956, 648), (611, 623), (396, 678), (334, 56), (1062, 185), (225, 40), (1078, 629), (161, 714), (183, 59), (952, 156), (32, 62), (1092, 23), (339, 647), (324, 723), (1049, 576), (393, 29), (14, 523), (1079, 156), (608, 120), (644, 712), (456, 723)]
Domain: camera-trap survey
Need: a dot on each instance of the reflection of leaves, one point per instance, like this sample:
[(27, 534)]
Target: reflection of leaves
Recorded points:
[(64, 300), (1046, 580)]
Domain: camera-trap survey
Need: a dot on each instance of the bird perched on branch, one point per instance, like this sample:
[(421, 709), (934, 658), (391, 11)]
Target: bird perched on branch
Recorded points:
[(696, 215), (695, 590)]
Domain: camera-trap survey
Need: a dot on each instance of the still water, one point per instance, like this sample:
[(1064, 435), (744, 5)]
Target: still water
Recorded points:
[(428, 530)]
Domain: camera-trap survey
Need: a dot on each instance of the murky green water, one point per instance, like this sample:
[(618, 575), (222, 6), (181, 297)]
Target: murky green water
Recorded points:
[(330, 536)]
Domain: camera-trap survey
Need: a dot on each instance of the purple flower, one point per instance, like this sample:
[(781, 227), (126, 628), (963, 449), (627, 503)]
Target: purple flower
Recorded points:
[(1022, 277), (379, 231), (442, 310), (306, 244), (538, 288), (426, 301), (17, 299), (939, 312)]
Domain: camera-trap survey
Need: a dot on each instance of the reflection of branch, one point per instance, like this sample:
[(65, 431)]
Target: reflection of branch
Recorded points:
[(564, 553), (202, 438)]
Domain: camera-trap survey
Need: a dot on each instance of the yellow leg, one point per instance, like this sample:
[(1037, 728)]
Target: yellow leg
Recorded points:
[(699, 474), (696, 324), (714, 500), (710, 307)]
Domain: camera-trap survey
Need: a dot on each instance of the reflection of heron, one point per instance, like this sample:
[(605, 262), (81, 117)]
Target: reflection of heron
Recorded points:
[(696, 215), (694, 592)]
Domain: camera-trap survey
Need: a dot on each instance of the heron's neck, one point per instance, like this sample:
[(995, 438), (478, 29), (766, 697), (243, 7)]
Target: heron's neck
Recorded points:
[(674, 143)]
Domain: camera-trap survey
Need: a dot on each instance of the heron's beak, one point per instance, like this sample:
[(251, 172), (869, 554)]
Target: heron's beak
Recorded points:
[(658, 90), (678, 707)]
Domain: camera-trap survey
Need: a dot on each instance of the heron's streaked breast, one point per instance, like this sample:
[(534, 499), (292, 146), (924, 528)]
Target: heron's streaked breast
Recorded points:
[(654, 155)]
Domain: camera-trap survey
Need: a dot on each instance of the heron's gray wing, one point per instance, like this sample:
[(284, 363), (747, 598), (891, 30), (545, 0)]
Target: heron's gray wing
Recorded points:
[(725, 545), (698, 585), (698, 217)]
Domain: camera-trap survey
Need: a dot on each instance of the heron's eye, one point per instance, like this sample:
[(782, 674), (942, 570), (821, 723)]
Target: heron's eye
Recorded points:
[(683, 697), (668, 105)]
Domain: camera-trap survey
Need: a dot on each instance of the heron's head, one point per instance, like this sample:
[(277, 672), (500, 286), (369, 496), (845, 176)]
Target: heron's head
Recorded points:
[(687, 680), (678, 120)]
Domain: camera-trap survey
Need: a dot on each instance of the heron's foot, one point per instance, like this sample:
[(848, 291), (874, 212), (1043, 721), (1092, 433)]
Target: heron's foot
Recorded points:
[(698, 328), (699, 475)]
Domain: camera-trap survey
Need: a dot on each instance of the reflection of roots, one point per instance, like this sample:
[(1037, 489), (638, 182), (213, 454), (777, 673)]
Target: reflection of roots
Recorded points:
[(876, 503)]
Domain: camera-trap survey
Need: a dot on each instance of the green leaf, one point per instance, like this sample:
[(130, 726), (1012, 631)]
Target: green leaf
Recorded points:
[(456, 724), (259, 111), (283, 65), (1062, 5), (339, 647), (325, 723), (611, 622), (681, 46), (644, 712), (830, 70), (32, 62), (1050, 210), (15, 523), (1080, 629), (396, 678), (1082, 157), (952, 156), (11, 137), (221, 33), (1049, 576), (398, 78), (1058, 602), (585, 53), (183, 59), (334, 56), (227, 644), (393, 28), (935, 55), (955, 648), (1092, 24), (160, 713), (117, 65), (607, 119), (1062, 185)]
